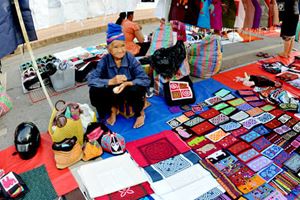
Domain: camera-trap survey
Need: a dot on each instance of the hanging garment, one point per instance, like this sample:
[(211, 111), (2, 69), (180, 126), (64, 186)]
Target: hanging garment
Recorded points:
[(10, 34), (249, 10), (186, 12), (216, 15), (257, 14), (228, 13), (204, 17), (264, 14), (240, 17)]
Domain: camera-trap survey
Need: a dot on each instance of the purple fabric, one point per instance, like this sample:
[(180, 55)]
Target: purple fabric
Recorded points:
[(257, 14), (216, 15)]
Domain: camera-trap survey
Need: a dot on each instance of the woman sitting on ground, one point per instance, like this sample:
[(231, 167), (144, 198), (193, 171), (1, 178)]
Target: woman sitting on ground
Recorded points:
[(131, 31), (118, 77)]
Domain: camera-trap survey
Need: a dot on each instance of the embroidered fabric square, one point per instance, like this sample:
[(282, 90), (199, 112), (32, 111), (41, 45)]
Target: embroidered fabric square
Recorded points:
[(228, 110), (155, 148), (233, 168), (217, 156), (236, 102), (293, 163), (296, 127), (251, 98), (255, 111), (248, 155), (230, 126), (180, 90), (216, 135), (265, 117), (260, 144), (257, 103), (273, 124), (173, 123), (194, 121), (268, 108), (276, 195), (220, 106), (295, 143), (241, 175), (239, 131), (259, 163), (228, 141), (174, 109), (171, 166), (281, 158), (183, 132), (272, 151), (284, 118), (213, 100), (244, 107), (246, 93), (211, 194), (291, 122), (197, 142), (251, 184), (289, 135), (269, 172), (222, 93), (185, 107), (262, 192), (282, 129), (209, 113), (273, 137), (239, 116), (197, 108), (249, 123), (219, 119), (182, 118), (277, 112), (202, 128), (207, 150), (228, 161), (228, 97), (261, 129), (249, 137), (239, 147), (189, 113)]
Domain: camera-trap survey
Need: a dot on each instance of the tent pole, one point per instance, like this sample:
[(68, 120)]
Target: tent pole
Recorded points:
[(25, 35)]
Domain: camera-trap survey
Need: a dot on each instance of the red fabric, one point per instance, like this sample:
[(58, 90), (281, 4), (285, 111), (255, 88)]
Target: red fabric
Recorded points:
[(273, 124), (62, 180), (156, 148), (239, 147), (227, 78), (209, 113), (228, 141), (202, 128), (240, 131), (277, 112), (134, 192)]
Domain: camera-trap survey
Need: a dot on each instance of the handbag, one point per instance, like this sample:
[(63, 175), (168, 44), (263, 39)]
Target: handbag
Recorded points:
[(179, 92), (205, 57), (113, 143), (12, 186)]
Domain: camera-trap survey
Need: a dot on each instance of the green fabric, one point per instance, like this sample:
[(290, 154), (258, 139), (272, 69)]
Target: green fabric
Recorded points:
[(39, 184), (297, 33)]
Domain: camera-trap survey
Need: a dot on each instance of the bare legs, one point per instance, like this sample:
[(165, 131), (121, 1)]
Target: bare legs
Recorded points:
[(287, 48), (113, 116)]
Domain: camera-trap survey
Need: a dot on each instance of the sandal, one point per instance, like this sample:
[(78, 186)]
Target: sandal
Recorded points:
[(260, 54)]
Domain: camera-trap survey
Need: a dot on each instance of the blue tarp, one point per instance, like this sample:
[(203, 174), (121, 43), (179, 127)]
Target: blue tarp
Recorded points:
[(158, 114)]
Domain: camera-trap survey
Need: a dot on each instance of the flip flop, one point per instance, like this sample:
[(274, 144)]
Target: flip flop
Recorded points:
[(266, 55), (260, 54), (142, 123)]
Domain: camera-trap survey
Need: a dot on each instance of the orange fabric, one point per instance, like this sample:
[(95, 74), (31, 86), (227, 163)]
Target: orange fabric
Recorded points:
[(227, 78), (62, 180), (129, 29), (249, 38)]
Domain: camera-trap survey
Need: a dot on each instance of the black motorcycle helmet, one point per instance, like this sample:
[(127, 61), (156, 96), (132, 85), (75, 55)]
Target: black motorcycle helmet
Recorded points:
[(27, 140)]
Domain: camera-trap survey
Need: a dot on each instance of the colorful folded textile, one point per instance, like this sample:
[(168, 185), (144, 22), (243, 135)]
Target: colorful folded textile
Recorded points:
[(272, 151), (261, 192), (216, 135), (134, 192), (156, 148), (171, 166), (259, 163), (269, 172), (261, 143)]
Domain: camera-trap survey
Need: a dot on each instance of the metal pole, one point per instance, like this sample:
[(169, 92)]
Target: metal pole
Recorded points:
[(25, 35)]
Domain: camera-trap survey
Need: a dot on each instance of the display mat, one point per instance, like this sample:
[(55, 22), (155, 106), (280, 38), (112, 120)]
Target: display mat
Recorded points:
[(38, 94)]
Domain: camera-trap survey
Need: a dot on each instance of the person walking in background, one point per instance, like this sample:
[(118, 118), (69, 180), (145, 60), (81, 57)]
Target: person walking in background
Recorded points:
[(290, 18), (131, 31)]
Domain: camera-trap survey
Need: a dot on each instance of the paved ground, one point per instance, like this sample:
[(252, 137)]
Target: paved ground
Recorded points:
[(234, 55)]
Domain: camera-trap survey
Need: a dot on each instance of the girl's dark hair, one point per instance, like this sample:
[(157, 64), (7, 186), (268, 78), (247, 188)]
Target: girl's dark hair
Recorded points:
[(122, 16), (129, 13)]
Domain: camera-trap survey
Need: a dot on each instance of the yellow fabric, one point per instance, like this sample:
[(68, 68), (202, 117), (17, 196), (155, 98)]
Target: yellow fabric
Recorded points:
[(72, 128), (91, 151)]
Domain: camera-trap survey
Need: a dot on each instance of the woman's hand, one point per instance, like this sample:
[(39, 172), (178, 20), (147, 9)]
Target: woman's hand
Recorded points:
[(120, 88), (118, 79)]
